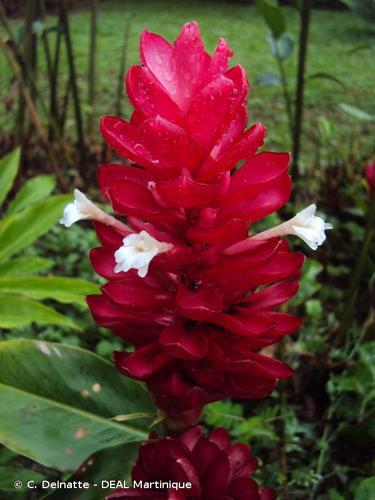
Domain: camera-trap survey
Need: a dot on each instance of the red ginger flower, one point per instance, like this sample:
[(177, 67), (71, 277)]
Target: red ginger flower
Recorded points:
[(199, 316), (215, 469), (203, 302)]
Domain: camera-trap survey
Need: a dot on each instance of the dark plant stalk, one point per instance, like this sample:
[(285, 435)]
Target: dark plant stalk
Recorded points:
[(120, 87), (342, 333), (46, 47), (54, 109), (302, 54), (29, 57), (74, 86), (47, 55), (30, 42), (4, 21), (92, 66), (64, 107)]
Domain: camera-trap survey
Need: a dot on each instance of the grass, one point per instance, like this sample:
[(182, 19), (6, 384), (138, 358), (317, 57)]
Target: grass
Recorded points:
[(333, 35)]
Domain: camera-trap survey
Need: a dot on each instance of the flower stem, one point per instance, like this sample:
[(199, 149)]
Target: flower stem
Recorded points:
[(323, 451)]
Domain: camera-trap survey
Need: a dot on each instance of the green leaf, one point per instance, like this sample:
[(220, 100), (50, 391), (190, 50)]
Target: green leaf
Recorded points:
[(359, 47), (326, 76), (8, 475), (65, 290), (19, 311), (366, 489), (6, 456), (38, 27), (224, 414), (133, 416), (268, 79), (356, 112), (8, 171), (334, 495), (273, 16), (314, 308), (309, 283), (282, 47), (25, 265), (111, 464), (32, 192), (19, 230), (254, 428), (58, 401)]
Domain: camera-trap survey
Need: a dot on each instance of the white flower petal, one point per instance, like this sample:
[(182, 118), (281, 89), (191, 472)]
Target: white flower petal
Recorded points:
[(81, 208), (305, 224), (137, 251), (306, 213)]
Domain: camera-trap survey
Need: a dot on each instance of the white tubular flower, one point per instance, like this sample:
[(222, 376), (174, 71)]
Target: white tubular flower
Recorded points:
[(84, 209), (80, 209), (305, 225), (137, 251)]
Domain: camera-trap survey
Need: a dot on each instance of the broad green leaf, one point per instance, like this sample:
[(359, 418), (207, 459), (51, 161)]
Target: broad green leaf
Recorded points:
[(356, 112), (326, 76), (111, 464), (33, 191), (20, 311), (366, 489), (66, 290), (19, 230), (8, 171), (273, 16), (57, 402), (25, 265), (8, 475)]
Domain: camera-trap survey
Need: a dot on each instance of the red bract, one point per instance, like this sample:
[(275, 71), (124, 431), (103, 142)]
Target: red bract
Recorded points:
[(198, 319), (215, 469), (370, 176)]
